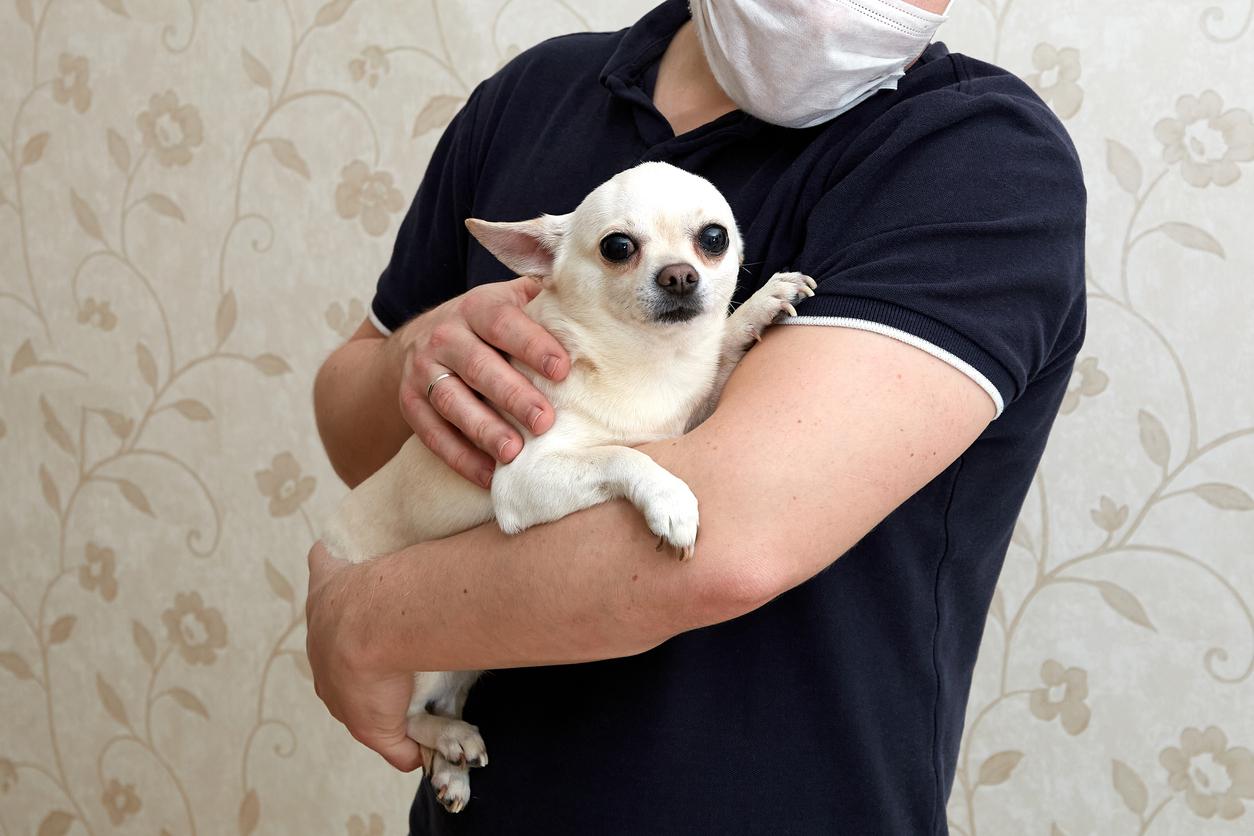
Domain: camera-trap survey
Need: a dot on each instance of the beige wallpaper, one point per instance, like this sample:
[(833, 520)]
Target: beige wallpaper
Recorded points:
[(195, 198)]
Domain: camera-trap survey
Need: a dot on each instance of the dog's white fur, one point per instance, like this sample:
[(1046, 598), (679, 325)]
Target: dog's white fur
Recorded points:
[(634, 378)]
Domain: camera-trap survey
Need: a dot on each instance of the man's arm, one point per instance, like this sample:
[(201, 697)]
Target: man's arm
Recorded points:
[(821, 433), (357, 387)]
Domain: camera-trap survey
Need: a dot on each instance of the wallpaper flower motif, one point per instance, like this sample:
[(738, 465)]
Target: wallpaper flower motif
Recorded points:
[(1213, 777), (170, 130), (120, 801), (97, 572), (372, 64), (195, 202), (98, 314), (284, 485), (1063, 697), (1206, 140), (71, 86), (196, 630), (368, 195), (1088, 381), (1058, 70)]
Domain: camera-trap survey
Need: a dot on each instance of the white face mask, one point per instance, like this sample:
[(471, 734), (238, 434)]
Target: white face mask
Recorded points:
[(799, 63)]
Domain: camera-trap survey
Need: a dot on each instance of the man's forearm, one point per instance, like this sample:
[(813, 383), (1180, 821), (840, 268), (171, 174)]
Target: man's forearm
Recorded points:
[(355, 403), (590, 586)]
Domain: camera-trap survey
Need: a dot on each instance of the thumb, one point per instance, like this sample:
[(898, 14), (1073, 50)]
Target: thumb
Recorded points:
[(528, 287), (401, 752)]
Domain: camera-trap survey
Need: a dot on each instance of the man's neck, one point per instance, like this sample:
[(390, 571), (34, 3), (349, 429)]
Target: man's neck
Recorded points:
[(686, 92)]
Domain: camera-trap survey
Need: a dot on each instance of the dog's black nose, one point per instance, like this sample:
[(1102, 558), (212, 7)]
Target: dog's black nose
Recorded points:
[(677, 279)]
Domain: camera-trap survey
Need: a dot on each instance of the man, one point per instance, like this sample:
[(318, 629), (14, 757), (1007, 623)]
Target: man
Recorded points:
[(747, 691)]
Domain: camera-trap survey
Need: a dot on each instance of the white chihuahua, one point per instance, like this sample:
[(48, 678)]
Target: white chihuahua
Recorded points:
[(636, 285)]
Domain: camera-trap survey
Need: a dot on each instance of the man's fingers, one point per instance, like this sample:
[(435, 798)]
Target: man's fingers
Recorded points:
[(518, 335), (486, 371), (446, 441), (401, 752), (527, 287), (453, 399)]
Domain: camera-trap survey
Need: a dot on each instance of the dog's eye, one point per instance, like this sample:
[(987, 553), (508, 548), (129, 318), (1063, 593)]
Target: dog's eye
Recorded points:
[(713, 239), (617, 247)]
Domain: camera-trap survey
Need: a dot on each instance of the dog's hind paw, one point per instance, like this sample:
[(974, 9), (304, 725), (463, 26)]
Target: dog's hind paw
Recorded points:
[(451, 783)]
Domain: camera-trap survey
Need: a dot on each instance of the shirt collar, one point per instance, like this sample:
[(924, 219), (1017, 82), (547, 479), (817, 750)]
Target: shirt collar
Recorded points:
[(642, 45)]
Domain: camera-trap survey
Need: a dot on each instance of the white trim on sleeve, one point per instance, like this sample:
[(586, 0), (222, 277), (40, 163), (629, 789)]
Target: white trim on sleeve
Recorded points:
[(374, 320), (909, 339)]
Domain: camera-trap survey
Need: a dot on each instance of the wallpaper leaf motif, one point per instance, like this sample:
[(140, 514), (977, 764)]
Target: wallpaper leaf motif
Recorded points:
[(111, 701), (86, 217), (144, 642), (1227, 497), (56, 823), (287, 156), (61, 629), (998, 768), (16, 665), (1124, 165), (255, 70), (163, 205), (1124, 602), (436, 113), (1188, 235), (119, 150), (33, 150), (1130, 787), (115, 6)]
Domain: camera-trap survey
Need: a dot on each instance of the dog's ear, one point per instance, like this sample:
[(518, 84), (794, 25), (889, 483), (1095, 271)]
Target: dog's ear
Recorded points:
[(526, 247)]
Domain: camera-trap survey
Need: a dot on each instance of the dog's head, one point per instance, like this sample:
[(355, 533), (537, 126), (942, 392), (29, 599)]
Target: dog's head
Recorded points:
[(654, 245)]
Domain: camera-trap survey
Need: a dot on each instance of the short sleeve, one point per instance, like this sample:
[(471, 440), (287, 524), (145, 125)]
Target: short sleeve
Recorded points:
[(428, 264), (961, 232)]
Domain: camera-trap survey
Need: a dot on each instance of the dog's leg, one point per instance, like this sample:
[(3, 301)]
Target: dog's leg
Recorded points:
[(548, 485), (434, 721), (744, 328)]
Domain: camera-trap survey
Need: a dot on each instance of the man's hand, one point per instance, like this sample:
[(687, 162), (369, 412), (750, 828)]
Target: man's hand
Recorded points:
[(461, 336), (370, 703)]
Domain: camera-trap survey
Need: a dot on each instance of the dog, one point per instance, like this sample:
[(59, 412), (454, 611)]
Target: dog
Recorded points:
[(636, 285)]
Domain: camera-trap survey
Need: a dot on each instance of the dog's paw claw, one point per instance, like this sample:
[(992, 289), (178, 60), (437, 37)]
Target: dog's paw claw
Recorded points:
[(670, 510), (451, 784), (457, 741)]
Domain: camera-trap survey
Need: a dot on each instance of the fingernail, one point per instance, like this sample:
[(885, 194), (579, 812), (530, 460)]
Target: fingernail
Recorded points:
[(533, 417), (549, 365), (485, 478), (505, 450)]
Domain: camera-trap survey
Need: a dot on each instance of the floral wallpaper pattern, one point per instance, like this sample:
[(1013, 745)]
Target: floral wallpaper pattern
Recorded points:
[(195, 199)]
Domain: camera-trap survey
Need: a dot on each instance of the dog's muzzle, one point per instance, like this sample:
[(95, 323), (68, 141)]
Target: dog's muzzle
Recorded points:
[(680, 300)]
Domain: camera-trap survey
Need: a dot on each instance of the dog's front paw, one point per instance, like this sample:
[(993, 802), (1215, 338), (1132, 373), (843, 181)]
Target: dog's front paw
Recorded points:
[(458, 741), (785, 288), (670, 509), (770, 303)]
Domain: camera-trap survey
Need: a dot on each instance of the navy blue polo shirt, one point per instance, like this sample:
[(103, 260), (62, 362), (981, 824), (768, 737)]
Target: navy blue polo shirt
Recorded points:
[(948, 214)]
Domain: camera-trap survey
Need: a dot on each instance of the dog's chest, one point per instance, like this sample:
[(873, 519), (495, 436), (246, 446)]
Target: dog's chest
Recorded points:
[(631, 405)]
